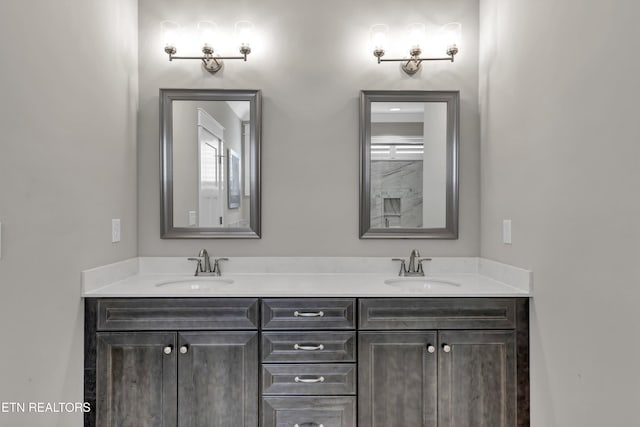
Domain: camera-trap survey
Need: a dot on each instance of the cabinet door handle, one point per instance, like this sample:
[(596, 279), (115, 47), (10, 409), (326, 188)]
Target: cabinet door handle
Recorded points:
[(308, 347), (308, 313), (168, 349), (431, 349), (309, 380), (308, 425), (446, 348), (184, 349)]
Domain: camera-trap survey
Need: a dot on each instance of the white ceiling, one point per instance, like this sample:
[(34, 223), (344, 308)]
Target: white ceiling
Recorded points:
[(408, 112), (405, 107), (241, 108)]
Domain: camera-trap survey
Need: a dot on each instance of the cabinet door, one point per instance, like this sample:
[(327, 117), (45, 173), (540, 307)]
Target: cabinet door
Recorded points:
[(136, 379), (218, 379), (397, 379), (477, 379)]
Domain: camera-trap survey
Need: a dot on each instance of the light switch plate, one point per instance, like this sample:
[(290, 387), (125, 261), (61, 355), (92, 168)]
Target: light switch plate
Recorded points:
[(506, 231), (115, 230), (192, 218), (0, 240)]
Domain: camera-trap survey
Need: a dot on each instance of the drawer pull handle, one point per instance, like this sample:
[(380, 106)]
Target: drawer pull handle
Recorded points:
[(308, 314), (309, 380), (308, 425), (308, 347)]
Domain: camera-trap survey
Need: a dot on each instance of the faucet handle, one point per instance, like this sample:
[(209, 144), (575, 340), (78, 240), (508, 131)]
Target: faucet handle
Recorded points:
[(420, 270), (403, 266), (198, 265), (216, 265)]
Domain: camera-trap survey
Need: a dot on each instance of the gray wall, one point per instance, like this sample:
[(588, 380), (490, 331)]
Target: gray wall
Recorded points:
[(67, 166), (434, 167), (185, 161), (560, 157), (310, 59)]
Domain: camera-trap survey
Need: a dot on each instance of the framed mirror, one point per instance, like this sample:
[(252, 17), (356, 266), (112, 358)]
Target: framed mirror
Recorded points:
[(409, 143), (210, 163)]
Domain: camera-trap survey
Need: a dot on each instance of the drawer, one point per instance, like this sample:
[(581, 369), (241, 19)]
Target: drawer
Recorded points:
[(437, 313), (305, 411), (308, 313), (308, 347), (140, 314), (319, 379)]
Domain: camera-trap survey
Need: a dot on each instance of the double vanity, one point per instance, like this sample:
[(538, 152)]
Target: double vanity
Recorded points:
[(307, 342)]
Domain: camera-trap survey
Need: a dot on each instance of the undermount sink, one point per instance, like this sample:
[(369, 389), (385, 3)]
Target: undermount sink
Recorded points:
[(195, 284), (421, 283)]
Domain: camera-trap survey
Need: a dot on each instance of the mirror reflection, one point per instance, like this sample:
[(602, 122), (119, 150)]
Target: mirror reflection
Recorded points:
[(409, 164), (210, 163), (210, 146)]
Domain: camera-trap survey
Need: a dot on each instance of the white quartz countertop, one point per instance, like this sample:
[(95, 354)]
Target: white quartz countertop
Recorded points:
[(173, 277)]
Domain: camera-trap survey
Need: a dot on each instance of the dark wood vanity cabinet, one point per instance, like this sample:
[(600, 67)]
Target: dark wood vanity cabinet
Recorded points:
[(137, 380), (460, 362), (398, 379), (370, 362), (173, 378), (308, 362), (477, 379)]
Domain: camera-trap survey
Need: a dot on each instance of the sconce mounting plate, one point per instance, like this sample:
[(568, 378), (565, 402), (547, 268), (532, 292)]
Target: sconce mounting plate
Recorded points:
[(212, 64), (411, 66)]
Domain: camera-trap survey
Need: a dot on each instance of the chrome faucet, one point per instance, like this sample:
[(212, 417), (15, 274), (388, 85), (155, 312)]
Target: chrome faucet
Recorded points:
[(412, 262), (203, 266), (207, 261), (412, 270)]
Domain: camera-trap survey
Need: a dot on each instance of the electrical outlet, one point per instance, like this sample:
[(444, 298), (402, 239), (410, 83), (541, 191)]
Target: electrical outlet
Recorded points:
[(506, 231), (115, 230)]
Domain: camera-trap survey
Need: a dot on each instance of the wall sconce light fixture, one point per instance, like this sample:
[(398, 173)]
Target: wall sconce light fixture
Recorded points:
[(450, 34), (208, 35)]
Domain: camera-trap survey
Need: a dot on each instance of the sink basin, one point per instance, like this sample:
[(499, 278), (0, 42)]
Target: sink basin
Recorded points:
[(195, 284), (421, 283)]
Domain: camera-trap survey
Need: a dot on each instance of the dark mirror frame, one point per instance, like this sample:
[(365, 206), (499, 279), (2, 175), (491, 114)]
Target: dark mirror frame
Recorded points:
[(167, 96), (452, 99)]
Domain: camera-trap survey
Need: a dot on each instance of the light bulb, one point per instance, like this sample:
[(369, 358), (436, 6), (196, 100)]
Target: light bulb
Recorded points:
[(452, 34), (244, 34), (170, 35), (378, 36), (416, 35), (207, 33)]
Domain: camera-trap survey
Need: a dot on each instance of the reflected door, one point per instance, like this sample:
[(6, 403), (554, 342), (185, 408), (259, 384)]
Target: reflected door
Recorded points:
[(210, 182)]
